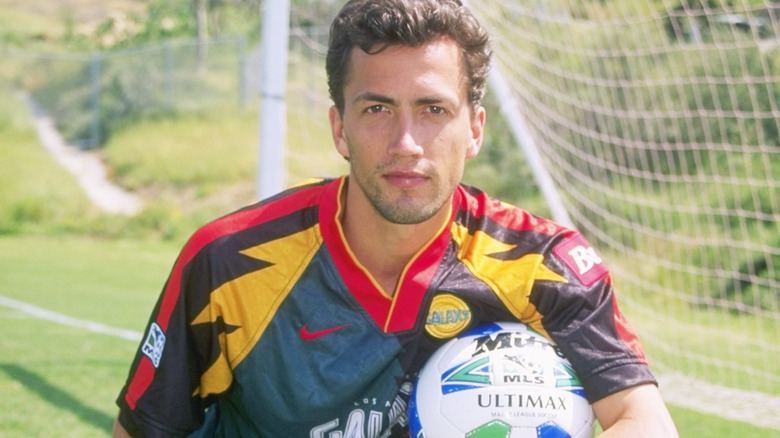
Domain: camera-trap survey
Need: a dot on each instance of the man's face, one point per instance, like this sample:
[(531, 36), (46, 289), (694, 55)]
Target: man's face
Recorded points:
[(407, 128)]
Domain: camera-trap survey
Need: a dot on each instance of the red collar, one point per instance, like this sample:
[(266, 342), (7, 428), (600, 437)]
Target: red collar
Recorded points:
[(391, 314)]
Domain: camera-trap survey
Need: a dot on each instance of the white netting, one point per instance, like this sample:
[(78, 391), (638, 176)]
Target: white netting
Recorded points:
[(658, 122)]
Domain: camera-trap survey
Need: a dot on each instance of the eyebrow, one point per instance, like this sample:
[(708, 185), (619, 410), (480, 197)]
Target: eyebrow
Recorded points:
[(431, 100), (373, 97), (379, 98)]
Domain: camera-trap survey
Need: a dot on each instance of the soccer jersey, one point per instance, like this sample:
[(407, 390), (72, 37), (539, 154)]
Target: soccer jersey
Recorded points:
[(270, 324)]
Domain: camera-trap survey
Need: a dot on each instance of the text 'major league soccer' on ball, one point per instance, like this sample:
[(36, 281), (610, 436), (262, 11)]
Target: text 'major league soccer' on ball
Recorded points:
[(500, 380)]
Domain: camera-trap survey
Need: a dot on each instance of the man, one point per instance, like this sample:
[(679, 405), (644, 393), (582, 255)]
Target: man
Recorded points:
[(308, 314)]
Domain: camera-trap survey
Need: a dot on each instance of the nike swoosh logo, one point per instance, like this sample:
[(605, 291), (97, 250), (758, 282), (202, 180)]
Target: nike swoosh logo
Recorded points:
[(306, 335)]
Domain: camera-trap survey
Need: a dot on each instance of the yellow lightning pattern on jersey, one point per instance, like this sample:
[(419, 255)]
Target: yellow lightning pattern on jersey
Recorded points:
[(249, 302), (511, 280)]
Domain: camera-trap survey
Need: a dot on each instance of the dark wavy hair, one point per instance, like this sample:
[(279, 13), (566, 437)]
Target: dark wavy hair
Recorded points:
[(373, 25)]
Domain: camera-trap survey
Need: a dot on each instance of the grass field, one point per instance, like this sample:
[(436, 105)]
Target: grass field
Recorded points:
[(62, 381), (59, 380)]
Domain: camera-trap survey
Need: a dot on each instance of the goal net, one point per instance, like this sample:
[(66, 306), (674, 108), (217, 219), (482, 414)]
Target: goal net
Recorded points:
[(657, 121)]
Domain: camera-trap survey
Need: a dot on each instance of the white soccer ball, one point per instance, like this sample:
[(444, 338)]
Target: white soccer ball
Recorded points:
[(499, 380)]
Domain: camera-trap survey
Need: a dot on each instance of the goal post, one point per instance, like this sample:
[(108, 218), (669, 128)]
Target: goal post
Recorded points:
[(271, 177)]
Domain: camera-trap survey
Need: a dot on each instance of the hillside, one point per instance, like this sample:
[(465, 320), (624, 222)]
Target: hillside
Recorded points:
[(33, 23)]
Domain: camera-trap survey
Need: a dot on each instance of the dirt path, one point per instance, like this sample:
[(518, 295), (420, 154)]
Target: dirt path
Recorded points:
[(86, 166)]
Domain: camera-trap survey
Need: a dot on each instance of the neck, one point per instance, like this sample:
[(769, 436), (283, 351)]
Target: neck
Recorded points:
[(382, 247)]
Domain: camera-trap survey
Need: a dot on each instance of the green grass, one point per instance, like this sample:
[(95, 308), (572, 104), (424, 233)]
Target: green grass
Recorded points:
[(110, 281), (58, 380), (184, 150), (34, 189), (713, 344), (313, 153), (61, 385), (23, 27), (692, 424)]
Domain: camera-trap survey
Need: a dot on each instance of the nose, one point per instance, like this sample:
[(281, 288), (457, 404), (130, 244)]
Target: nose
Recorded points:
[(404, 141)]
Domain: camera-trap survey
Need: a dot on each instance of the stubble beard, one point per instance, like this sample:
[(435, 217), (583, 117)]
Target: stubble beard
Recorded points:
[(404, 211), (407, 208)]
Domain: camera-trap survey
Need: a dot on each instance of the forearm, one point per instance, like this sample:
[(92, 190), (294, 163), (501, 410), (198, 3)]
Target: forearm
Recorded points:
[(641, 429), (119, 431), (637, 412)]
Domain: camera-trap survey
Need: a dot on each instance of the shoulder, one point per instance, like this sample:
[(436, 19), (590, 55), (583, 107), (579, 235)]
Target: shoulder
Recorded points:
[(525, 232), (477, 208), (289, 211)]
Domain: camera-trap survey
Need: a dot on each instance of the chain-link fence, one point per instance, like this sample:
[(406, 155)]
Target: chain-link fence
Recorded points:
[(88, 95)]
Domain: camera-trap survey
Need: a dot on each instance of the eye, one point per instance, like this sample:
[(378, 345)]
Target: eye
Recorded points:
[(373, 109), (433, 109)]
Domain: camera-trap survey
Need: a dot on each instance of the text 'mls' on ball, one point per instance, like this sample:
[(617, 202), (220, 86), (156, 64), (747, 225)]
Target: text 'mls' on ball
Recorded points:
[(500, 380)]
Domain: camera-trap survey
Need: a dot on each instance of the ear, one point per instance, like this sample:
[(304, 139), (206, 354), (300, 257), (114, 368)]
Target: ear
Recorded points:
[(477, 132), (337, 132)]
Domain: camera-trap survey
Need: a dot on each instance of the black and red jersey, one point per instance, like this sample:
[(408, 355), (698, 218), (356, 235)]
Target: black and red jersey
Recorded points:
[(268, 325)]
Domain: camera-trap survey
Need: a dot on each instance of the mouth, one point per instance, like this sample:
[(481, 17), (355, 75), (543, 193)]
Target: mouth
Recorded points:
[(405, 179)]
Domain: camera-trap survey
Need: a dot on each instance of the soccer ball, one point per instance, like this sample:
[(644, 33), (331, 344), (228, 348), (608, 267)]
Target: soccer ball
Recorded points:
[(499, 380)]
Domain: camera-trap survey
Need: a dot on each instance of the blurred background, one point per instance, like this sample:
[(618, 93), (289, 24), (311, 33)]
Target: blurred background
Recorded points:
[(651, 126)]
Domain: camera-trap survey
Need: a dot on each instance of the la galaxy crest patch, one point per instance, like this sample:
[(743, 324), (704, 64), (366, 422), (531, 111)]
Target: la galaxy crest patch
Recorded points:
[(154, 344), (581, 259), (447, 316)]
